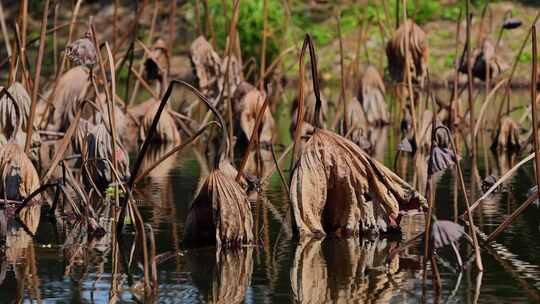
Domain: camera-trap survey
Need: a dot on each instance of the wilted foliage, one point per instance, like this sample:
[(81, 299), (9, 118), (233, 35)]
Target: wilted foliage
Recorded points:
[(220, 213), (166, 130), (309, 110), (156, 66), (18, 176), (207, 65), (246, 114), (82, 51), (71, 89), (486, 62), (507, 136), (371, 96), (419, 53), (337, 188), (98, 156)]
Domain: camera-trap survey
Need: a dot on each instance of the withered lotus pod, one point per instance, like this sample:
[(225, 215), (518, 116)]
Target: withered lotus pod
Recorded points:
[(98, 157), (512, 23), (486, 63), (246, 112), (207, 66), (156, 66), (419, 53), (18, 177), (82, 51), (166, 130), (220, 212), (507, 136), (371, 96), (336, 187)]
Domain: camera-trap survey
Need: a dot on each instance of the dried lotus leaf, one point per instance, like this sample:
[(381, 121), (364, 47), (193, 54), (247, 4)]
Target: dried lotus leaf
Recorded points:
[(207, 65), (251, 105), (98, 153), (371, 96), (220, 213), (70, 91), (507, 136), (166, 130), (419, 53), (337, 188), (18, 177), (445, 232)]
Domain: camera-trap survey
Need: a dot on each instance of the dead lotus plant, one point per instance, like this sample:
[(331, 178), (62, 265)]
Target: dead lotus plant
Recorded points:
[(207, 67), (507, 135), (18, 177), (246, 115), (336, 187), (97, 157), (220, 212), (166, 130), (419, 53), (486, 64), (371, 96)]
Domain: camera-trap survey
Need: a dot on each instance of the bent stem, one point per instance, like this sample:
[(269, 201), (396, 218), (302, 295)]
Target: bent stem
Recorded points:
[(478, 256), (224, 146)]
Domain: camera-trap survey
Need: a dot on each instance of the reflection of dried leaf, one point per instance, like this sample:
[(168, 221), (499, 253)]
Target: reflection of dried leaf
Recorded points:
[(222, 277), (344, 271), (507, 137), (166, 130), (220, 213), (371, 96), (419, 50), (337, 188), (18, 177)]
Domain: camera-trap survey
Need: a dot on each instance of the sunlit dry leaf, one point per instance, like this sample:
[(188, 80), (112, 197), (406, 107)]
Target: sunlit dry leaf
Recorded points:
[(220, 213), (371, 96), (207, 65), (96, 153), (507, 136), (18, 176), (166, 130), (337, 188), (419, 53), (71, 90), (246, 112)]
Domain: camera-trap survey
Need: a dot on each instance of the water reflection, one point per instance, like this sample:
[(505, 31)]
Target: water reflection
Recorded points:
[(344, 271), (221, 276)]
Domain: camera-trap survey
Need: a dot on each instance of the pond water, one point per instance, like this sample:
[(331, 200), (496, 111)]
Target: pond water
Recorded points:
[(54, 268)]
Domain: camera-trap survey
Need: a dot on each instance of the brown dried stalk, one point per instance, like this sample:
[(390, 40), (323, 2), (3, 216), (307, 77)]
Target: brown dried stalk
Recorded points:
[(35, 88)]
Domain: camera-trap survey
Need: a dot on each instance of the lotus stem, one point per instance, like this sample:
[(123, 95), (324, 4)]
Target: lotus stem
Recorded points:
[(4, 31), (35, 88), (263, 47), (173, 151), (470, 79), (223, 147), (343, 94), (469, 215), (408, 75), (454, 97)]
